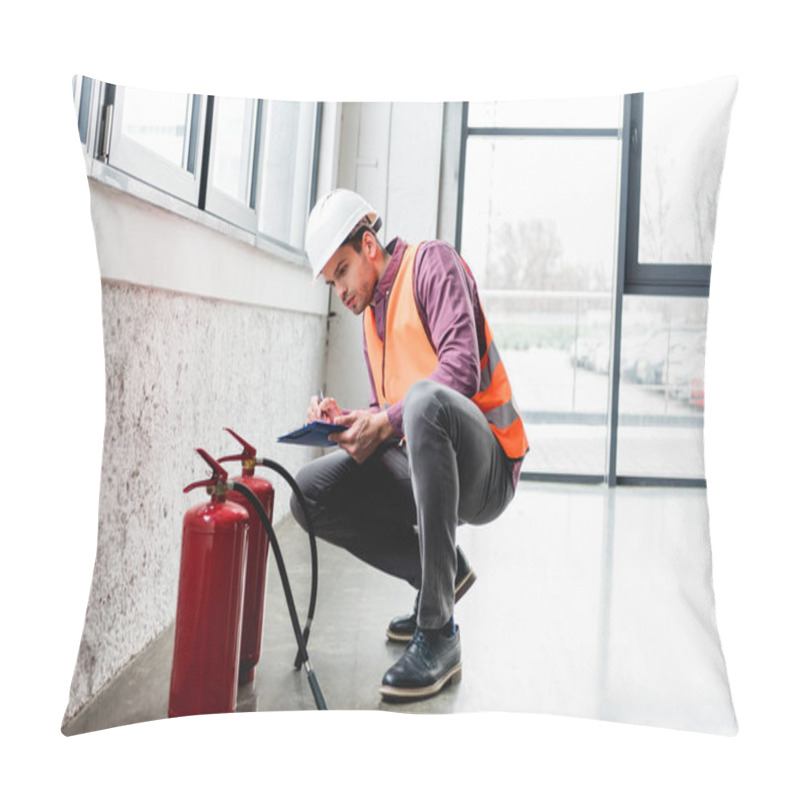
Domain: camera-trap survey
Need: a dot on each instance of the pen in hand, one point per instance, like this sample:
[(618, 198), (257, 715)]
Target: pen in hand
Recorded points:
[(327, 409)]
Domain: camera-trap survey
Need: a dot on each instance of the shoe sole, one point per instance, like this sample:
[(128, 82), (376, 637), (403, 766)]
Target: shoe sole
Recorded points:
[(422, 692), (461, 590), (465, 584)]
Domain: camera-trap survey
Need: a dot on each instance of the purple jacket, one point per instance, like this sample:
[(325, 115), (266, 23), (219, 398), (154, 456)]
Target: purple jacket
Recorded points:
[(450, 313)]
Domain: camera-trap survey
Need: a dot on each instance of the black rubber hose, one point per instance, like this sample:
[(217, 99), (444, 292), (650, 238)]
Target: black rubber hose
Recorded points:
[(312, 539), (287, 590)]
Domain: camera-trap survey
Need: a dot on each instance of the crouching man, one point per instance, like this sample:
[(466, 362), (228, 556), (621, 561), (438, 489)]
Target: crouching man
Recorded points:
[(441, 443)]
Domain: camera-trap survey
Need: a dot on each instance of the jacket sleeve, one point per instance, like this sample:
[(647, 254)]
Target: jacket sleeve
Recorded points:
[(448, 304)]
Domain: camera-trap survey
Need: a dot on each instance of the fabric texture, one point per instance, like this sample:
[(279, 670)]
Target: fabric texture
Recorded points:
[(179, 369)]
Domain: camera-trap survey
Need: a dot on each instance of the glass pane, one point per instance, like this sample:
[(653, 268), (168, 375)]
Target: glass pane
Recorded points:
[(662, 391), (158, 121), (683, 147), (556, 354), (233, 142), (286, 181), (597, 112), (539, 235), (543, 211)]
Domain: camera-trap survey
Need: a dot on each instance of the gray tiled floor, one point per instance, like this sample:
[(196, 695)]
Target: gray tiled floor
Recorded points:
[(589, 602)]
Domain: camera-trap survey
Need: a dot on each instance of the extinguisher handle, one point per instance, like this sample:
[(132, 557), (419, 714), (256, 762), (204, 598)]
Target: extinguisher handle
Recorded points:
[(248, 452), (219, 475)]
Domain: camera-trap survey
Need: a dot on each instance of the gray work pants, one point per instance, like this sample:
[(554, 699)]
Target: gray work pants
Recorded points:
[(399, 510)]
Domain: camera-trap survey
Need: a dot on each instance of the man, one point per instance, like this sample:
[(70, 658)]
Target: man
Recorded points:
[(441, 443)]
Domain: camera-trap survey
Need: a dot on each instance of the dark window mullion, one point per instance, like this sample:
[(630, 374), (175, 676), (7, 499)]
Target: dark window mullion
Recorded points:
[(312, 195), (206, 156), (623, 243), (634, 193), (527, 133), (256, 154)]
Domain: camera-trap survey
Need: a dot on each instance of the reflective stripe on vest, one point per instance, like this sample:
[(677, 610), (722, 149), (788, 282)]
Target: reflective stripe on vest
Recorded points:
[(406, 355)]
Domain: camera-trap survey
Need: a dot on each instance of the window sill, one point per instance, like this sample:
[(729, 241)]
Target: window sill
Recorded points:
[(167, 251), (123, 182)]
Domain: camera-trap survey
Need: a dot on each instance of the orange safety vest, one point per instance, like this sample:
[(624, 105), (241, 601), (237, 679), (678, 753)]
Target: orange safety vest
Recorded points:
[(406, 355)]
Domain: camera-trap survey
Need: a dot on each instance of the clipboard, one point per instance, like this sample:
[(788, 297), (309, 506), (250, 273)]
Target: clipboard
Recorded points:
[(315, 434)]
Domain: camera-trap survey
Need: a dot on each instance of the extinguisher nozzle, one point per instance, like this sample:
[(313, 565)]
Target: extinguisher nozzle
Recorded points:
[(315, 690)]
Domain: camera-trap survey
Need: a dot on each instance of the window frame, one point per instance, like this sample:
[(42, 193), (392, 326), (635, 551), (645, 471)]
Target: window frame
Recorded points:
[(652, 278), (220, 203), (128, 156), (538, 132), (134, 169), (631, 277)]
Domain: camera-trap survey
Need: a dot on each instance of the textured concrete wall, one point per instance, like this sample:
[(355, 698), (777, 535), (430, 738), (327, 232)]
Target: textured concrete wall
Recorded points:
[(178, 369)]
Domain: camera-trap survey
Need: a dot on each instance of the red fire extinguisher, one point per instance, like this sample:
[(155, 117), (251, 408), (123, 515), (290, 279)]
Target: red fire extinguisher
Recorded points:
[(205, 661), (257, 549)]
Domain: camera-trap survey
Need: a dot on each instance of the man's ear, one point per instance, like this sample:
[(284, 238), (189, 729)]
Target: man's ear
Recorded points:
[(369, 244)]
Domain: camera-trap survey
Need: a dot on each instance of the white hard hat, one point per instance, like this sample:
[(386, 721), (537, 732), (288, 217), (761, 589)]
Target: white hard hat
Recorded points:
[(332, 220)]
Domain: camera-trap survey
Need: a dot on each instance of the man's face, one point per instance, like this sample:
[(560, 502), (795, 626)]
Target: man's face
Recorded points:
[(353, 275)]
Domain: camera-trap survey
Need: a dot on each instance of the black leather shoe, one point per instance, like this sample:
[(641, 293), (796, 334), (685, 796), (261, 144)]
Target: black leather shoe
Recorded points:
[(429, 663), (401, 629)]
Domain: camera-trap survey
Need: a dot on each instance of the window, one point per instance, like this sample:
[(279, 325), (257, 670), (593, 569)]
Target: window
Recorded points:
[(589, 226), (683, 144), (538, 229), (287, 171), (250, 162), (677, 146), (662, 390), (155, 136), (236, 131)]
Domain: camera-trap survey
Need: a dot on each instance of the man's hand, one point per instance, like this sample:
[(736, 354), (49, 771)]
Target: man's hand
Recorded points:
[(365, 433), (324, 409)]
